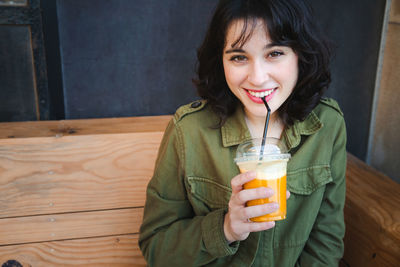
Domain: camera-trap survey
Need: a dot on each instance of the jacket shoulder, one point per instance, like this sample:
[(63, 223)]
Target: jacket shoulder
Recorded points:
[(331, 104), (190, 108)]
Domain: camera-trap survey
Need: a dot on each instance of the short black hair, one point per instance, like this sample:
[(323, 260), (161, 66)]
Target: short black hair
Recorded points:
[(289, 23)]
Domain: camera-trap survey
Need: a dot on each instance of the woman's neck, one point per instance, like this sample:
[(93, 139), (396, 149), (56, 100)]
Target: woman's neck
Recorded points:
[(256, 126)]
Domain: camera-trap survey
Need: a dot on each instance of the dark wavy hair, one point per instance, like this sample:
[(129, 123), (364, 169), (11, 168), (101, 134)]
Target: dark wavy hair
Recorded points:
[(289, 23)]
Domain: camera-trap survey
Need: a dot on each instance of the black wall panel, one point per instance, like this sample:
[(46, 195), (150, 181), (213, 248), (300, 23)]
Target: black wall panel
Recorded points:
[(18, 96), (131, 58), (23, 76), (355, 26)]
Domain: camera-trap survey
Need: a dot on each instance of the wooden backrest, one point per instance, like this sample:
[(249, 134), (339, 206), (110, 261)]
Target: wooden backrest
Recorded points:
[(72, 193), (372, 217), (75, 196)]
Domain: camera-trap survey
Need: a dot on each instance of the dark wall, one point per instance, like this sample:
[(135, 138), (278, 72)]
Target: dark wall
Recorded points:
[(112, 58), (16, 103), (23, 76), (355, 26), (129, 58)]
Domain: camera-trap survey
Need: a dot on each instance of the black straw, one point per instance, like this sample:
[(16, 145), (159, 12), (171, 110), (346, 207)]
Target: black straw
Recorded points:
[(265, 129)]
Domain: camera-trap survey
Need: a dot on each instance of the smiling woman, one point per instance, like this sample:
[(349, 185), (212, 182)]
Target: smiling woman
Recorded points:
[(196, 212)]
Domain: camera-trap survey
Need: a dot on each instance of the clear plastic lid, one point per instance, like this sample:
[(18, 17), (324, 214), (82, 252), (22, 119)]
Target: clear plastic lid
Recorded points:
[(274, 149)]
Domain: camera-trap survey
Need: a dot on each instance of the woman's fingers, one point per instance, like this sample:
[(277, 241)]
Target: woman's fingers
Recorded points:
[(238, 181), (258, 210), (256, 193), (259, 226), (287, 194), (236, 224)]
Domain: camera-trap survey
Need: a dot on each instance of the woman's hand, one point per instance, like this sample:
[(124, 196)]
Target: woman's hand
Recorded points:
[(236, 224)]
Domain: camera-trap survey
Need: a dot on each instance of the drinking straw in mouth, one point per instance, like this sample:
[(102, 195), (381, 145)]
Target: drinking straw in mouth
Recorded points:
[(265, 129)]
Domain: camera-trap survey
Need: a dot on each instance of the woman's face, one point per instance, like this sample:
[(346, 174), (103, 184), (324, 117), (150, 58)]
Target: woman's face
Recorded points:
[(258, 69)]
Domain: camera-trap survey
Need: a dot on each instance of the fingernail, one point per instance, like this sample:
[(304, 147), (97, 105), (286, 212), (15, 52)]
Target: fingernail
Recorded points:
[(269, 191)]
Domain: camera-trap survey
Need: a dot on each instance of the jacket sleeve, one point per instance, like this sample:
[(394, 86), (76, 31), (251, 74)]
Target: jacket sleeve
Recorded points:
[(325, 244), (170, 232)]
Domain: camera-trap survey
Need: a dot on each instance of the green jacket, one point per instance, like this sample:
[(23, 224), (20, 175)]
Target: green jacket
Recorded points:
[(188, 195)]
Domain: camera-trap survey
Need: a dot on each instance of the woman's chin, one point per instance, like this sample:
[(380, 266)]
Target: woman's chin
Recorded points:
[(256, 111)]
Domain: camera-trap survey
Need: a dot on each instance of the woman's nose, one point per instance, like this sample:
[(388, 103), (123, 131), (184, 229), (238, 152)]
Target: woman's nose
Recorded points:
[(258, 73)]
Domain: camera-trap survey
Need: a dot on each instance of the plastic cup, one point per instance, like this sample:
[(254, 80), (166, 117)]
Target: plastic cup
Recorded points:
[(271, 172)]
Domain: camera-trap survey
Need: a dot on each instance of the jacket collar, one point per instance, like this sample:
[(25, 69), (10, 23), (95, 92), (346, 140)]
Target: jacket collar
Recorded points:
[(292, 135), (235, 131)]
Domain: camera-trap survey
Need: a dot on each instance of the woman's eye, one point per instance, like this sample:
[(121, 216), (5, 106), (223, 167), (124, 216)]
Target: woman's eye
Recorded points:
[(238, 58), (275, 54)]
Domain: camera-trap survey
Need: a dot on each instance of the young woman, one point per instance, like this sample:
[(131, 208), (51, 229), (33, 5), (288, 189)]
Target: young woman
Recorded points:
[(195, 211)]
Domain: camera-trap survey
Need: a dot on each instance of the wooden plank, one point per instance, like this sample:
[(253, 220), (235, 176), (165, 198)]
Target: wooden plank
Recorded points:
[(42, 228), (83, 127), (104, 251), (372, 216), (75, 173), (395, 12)]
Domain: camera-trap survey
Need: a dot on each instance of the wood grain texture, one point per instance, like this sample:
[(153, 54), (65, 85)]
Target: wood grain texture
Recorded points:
[(67, 200), (75, 173), (52, 227), (84, 127), (372, 216), (104, 251), (395, 12)]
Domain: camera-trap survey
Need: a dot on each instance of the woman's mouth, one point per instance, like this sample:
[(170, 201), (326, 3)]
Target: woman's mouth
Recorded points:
[(256, 96)]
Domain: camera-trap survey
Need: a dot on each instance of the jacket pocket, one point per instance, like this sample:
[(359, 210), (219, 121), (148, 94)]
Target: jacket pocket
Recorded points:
[(305, 181), (307, 187), (207, 195)]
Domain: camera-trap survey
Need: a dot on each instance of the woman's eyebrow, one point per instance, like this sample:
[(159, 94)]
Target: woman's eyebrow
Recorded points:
[(234, 50), (270, 45), (239, 50)]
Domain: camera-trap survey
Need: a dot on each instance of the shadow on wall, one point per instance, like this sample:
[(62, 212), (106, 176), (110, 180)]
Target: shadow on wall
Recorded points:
[(385, 146)]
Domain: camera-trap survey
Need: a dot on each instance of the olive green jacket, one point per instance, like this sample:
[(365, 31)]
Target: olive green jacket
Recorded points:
[(190, 190)]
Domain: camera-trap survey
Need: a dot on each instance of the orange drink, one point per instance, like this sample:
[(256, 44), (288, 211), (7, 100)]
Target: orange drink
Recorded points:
[(270, 172)]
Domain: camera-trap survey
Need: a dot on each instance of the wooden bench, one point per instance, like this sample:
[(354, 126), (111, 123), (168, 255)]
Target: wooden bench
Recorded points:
[(72, 193), (372, 217)]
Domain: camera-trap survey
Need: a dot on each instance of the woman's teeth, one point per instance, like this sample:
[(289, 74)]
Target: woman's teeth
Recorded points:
[(261, 94)]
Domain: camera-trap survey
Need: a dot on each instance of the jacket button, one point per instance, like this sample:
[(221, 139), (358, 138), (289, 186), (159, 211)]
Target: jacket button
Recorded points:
[(195, 104)]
